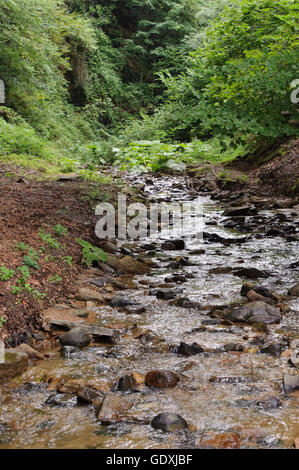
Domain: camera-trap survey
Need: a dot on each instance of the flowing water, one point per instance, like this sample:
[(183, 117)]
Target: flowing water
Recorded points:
[(212, 407)]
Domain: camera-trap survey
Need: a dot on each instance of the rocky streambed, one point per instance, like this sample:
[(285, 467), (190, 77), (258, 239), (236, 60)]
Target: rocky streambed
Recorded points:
[(177, 343)]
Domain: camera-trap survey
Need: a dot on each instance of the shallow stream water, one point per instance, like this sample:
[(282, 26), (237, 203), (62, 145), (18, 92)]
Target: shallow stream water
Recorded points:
[(26, 422)]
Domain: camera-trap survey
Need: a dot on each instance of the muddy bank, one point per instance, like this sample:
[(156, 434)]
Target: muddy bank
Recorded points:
[(30, 212), (273, 174)]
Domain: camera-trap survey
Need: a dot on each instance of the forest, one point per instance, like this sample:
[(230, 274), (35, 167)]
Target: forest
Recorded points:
[(191, 79)]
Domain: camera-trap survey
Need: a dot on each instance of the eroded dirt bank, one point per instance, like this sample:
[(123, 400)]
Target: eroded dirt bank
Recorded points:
[(204, 331)]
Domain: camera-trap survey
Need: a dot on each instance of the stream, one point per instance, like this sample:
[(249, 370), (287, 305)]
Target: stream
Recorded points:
[(236, 393)]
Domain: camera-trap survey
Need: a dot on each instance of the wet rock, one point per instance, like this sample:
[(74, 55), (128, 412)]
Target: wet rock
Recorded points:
[(131, 265), (121, 301), (99, 333), (255, 312), (80, 312), (67, 351), (16, 362), (77, 337), (31, 353), (184, 302), (89, 294), (270, 403), (226, 440), (294, 291), (233, 347), (173, 245), (294, 359), (109, 247), (295, 344), (88, 395), (260, 328), (169, 422), (274, 349), (61, 400), (215, 238), (39, 336), (197, 252), (135, 309), (211, 321), (178, 278), (100, 281), (253, 296), (250, 273), (126, 383), (112, 407), (231, 380), (221, 270), (162, 378), (166, 294), (185, 349), (240, 211), (290, 383)]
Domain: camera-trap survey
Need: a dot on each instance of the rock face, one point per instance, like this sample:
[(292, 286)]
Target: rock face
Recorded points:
[(77, 337), (294, 291), (169, 422), (290, 383), (112, 407), (162, 378), (255, 312), (16, 362)]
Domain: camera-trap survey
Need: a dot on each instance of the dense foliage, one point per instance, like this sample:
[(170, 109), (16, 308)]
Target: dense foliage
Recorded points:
[(144, 82)]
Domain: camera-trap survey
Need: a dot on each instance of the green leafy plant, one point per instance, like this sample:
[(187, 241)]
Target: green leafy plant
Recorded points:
[(55, 279), (31, 259), (6, 273), (60, 230), (91, 253), (2, 321), (49, 240), (68, 260)]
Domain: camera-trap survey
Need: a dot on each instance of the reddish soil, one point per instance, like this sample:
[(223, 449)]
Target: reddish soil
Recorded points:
[(26, 207)]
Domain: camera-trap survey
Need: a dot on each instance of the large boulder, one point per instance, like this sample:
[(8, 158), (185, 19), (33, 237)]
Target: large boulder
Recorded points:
[(15, 363), (77, 337), (169, 422), (162, 378), (255, 312)]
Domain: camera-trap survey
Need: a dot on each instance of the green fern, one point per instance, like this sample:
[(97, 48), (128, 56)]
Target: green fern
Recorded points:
[(91, 253)]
